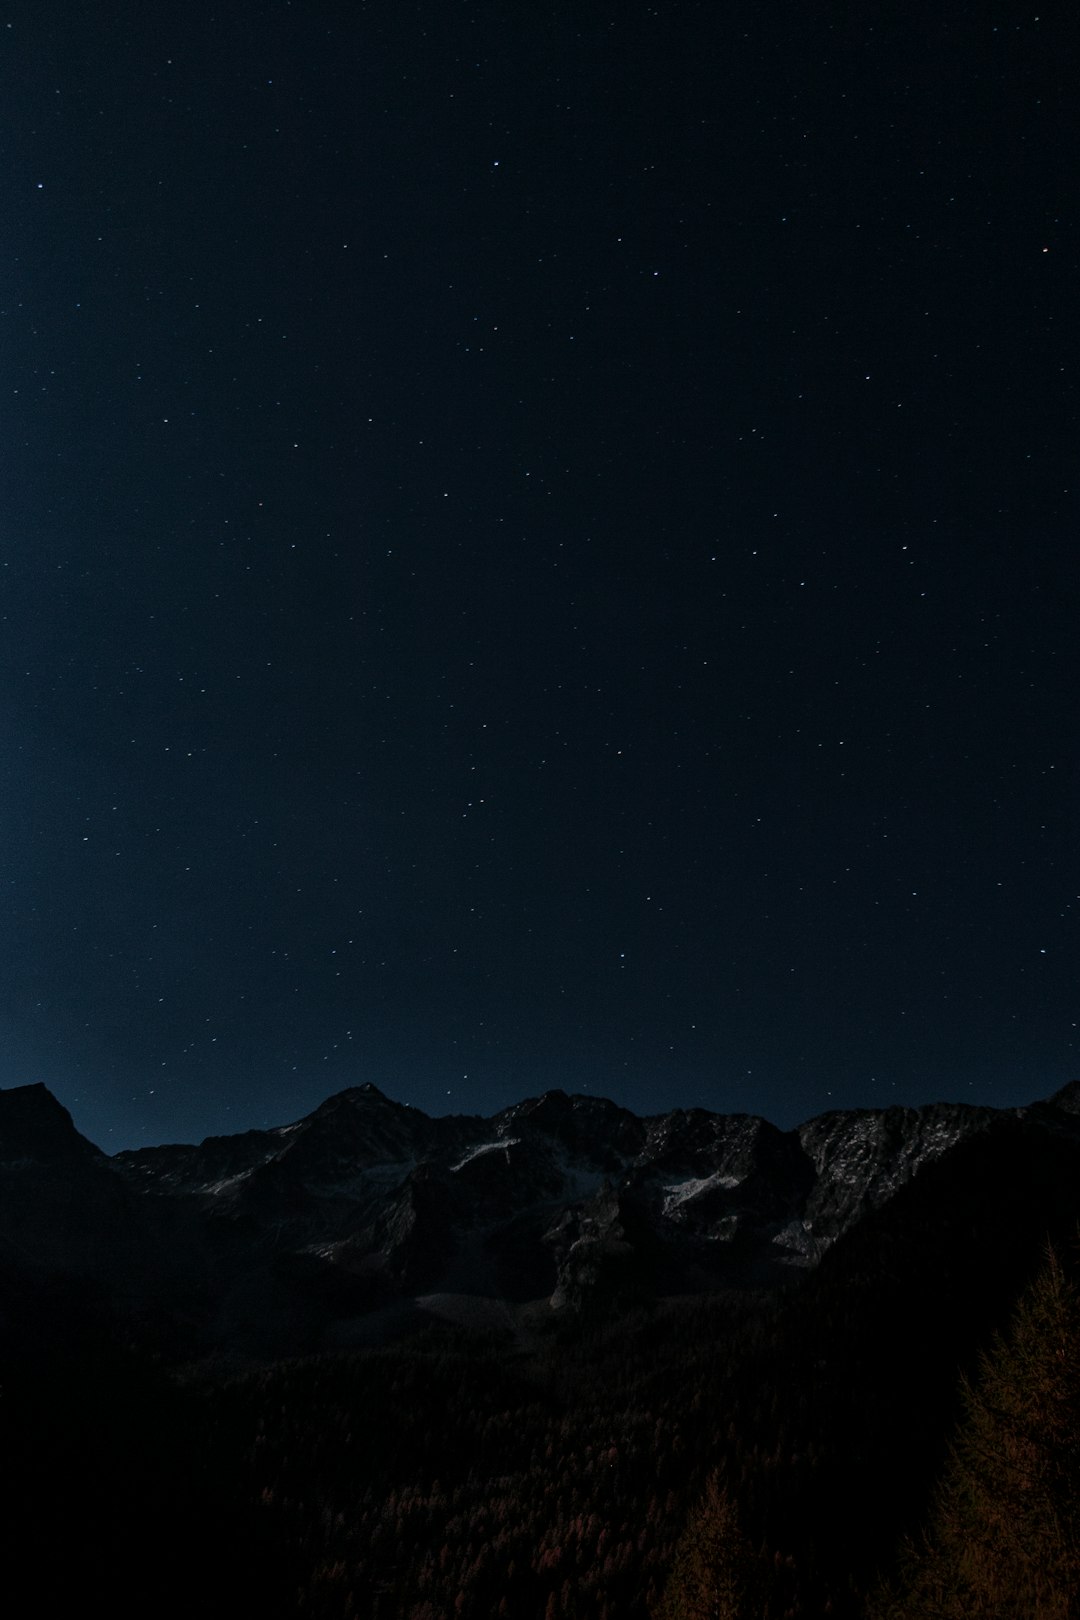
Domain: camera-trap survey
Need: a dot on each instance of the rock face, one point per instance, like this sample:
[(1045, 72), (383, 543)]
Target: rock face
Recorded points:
[(298, 1237)]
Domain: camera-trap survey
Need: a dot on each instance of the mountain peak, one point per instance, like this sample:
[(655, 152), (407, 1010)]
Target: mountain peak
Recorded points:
[(354, 1096), (34, 1125), (1067, 1098)]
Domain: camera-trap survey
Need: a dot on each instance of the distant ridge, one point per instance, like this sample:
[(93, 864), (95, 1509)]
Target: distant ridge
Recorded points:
[(299, 1236)]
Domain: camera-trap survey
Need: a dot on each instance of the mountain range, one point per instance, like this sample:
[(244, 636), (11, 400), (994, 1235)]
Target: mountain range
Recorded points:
[(367, 1215)]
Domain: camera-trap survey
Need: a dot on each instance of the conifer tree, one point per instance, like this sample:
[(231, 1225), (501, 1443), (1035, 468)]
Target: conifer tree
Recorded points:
[(712, 1577), (1005, 1538)]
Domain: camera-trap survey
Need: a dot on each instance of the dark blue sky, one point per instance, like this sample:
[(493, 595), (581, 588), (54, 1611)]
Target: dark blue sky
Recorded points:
[(539, 549)]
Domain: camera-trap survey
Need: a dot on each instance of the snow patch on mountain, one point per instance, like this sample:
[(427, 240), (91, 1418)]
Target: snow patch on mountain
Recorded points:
[(227, 1184), (678, 1193), (502, 1146)]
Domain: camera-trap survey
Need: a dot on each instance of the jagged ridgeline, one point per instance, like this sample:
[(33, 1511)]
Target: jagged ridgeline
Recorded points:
[(341, 1227), (374, 1363)]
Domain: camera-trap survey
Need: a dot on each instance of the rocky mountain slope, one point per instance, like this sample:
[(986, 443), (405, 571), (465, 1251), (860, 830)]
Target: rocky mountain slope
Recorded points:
[(331, 1229)]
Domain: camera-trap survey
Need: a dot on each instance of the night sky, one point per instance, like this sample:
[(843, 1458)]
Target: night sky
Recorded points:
[(539, 548)]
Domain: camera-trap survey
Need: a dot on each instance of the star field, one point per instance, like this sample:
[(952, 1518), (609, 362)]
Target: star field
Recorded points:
[(538, 550)]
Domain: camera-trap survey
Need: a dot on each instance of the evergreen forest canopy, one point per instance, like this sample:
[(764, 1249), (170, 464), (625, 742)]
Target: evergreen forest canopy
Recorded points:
[(896, 1435)]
